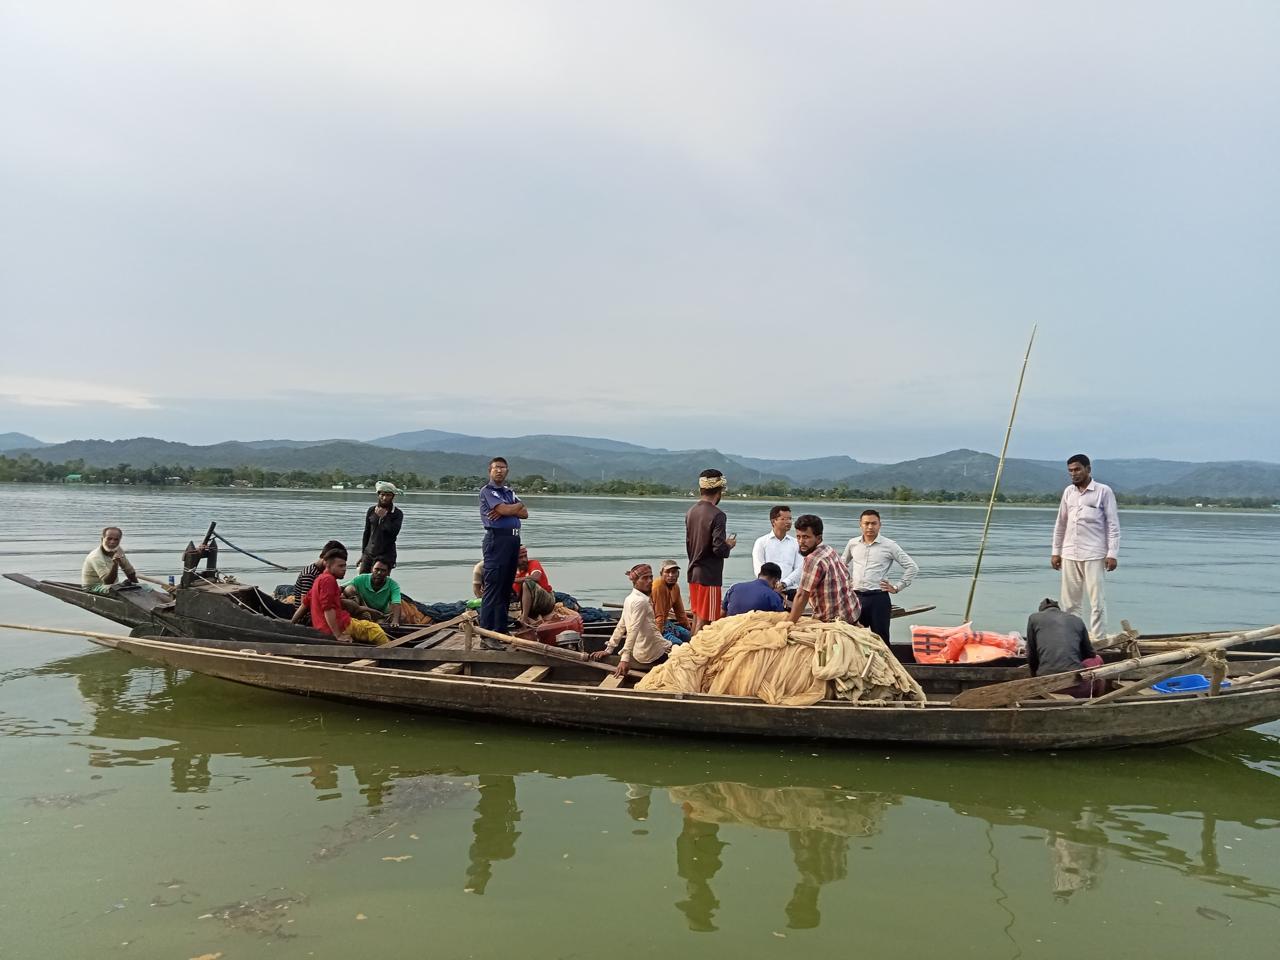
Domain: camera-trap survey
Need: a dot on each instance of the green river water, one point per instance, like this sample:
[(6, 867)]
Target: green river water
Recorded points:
[(151, 813)]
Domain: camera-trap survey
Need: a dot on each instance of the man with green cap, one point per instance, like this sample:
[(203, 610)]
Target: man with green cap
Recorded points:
[(381, 527)]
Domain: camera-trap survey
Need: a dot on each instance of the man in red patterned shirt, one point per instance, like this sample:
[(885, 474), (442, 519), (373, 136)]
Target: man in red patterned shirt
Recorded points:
[(825, 582)]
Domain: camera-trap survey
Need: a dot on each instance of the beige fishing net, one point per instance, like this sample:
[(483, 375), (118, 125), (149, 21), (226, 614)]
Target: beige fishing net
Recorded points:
[(765, 655)]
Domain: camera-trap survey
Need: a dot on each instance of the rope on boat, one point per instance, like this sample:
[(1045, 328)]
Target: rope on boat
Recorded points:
[(269, 563)]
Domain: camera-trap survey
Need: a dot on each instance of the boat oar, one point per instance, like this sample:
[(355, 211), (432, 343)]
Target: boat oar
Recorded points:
[(1013, 691)]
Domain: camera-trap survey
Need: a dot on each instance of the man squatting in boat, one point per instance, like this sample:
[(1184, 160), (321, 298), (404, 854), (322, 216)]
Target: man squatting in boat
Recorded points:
[(105, 562)]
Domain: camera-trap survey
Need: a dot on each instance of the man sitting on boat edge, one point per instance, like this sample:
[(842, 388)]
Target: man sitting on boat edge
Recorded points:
[(105, 562), (376, 595), (643, 643), (668, 606), (532, 590), (327, 612)]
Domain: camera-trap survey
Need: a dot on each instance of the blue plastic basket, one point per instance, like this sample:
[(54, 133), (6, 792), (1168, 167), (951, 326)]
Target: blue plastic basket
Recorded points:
[(1186, 683)]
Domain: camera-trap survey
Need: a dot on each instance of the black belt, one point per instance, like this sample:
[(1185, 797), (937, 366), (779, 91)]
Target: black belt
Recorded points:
[(513, 531), (869, 593)]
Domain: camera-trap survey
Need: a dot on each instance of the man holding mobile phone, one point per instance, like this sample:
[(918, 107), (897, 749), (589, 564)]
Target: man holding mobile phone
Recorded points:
[(707, 546)]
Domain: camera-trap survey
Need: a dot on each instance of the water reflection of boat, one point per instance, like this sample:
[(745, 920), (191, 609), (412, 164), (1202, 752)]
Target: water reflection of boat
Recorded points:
[(1091, 808)]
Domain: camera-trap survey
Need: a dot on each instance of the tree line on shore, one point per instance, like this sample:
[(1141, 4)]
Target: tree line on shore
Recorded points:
[(28, 469)]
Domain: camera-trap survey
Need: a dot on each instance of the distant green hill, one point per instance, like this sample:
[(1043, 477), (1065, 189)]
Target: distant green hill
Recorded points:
[(334, 455), (438, 453), (19, 441)]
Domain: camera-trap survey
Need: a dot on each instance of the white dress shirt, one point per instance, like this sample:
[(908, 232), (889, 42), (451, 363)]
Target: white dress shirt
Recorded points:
[(1088, 526), (869, 563), (644, 642), (785, 553)]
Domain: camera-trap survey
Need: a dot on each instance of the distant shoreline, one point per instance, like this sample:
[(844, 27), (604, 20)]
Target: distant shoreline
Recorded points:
[(656, 498)]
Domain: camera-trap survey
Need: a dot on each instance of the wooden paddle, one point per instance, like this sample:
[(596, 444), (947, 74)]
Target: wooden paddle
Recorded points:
[(1014, 691)]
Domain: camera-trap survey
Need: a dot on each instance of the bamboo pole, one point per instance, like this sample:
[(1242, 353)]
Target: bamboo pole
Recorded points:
[(66, 631), (995, 488)]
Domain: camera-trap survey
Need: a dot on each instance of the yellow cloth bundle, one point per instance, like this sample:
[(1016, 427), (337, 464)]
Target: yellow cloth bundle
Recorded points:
[(764, 655)]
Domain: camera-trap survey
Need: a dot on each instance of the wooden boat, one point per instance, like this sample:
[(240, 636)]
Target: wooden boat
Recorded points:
[(227, 611), (527, 688)]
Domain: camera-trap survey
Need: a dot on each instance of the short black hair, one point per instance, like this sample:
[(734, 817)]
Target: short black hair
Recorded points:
[(869, 513), (807, 521), (1048, 602), (774, 511), (338, 551), (501, 460), (771, 570), (1079, 458), (331, 545), (383, 560), (711, 473)]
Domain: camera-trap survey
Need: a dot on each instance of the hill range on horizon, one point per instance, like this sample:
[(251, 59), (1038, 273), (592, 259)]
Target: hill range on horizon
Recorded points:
[(437, 453)]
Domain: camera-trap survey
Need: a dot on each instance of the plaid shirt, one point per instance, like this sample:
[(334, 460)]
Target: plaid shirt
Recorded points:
[(826, 580)]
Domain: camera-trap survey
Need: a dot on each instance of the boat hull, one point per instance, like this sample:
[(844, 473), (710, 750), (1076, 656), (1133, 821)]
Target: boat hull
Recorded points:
[(1052, 726)]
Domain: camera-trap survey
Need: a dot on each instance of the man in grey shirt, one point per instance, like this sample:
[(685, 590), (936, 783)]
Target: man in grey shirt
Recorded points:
[(1058, 642), (869, 558)]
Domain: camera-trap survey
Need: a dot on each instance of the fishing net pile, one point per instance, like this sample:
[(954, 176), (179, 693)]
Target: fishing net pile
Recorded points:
[(764, 655)]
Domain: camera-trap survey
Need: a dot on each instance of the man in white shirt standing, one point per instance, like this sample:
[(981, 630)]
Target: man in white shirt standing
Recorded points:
[(1086, 540), (780, 547), (869, 558)]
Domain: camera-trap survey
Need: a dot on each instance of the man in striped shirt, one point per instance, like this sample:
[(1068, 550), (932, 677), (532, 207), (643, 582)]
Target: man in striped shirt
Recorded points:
[(869, 558), (825, 581)]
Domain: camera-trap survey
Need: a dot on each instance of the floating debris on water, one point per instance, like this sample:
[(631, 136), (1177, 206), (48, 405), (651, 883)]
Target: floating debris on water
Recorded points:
[(61, 801), (264, 916), (407, 800), (1211, 914)]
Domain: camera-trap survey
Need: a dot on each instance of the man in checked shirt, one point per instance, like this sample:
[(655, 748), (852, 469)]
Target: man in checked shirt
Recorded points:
[(869, 558)]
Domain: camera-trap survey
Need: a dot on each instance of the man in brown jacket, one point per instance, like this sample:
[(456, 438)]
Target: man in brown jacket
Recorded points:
[(707, 547)]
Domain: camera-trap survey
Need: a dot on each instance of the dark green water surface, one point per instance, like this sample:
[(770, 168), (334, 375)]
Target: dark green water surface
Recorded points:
[(151, 813)]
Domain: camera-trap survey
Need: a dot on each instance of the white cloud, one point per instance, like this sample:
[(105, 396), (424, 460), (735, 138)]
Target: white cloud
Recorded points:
[(55, 392)]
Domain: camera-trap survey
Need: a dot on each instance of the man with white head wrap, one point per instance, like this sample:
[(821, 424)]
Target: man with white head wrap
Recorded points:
[(637, 632), (381, 527), (708, 548)]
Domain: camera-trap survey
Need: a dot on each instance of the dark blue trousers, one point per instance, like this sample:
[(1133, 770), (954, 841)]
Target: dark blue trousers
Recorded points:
[(877, 611), (501, 548)]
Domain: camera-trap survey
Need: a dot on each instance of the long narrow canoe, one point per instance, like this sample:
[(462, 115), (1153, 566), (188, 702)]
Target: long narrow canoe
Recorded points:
[(227, 611), (527, 689)]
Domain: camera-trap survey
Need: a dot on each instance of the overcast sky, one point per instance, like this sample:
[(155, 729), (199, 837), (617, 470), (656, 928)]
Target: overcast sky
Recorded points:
[(779, 229)]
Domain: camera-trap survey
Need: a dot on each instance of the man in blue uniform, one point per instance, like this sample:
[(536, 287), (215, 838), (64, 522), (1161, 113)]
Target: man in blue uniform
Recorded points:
[(501, 512)]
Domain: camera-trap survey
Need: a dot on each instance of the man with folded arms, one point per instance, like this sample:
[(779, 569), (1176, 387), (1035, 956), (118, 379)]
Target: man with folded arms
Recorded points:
[(501, 512), (869, 558)]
